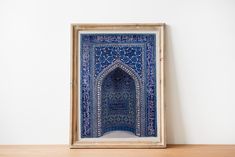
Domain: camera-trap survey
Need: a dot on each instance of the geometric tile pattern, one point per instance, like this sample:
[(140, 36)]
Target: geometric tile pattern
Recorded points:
[(118, 102)]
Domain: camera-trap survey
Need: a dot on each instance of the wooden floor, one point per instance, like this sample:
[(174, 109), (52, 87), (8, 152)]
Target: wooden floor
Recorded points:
[(64, 151)]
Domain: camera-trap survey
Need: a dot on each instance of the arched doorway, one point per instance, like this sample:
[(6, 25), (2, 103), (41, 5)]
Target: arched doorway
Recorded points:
[(118, 102), (118, 99)]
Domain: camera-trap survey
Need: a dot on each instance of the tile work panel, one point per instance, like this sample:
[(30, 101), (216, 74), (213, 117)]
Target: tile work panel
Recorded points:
[(118, 83)]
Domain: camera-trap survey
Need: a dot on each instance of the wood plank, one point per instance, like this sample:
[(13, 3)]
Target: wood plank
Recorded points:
[(64, 151)]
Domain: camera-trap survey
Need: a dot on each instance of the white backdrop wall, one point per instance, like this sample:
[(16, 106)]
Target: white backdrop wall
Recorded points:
[(35, 65)]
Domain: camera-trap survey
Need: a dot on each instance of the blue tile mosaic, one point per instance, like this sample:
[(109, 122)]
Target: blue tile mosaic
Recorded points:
[(118, 108), (118, 84)]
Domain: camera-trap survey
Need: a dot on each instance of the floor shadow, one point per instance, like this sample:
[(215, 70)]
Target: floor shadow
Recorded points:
[(175, 125)]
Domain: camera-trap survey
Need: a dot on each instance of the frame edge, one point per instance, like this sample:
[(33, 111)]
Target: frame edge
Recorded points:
[(75, 27)]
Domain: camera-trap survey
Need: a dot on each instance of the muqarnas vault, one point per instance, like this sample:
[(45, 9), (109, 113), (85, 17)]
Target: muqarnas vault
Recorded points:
[(118, 84)]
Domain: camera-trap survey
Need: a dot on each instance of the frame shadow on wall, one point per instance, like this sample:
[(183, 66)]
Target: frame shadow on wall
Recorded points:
[(175, 123)]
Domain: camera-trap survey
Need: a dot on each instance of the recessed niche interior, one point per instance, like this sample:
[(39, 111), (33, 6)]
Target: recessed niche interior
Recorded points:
[(118, 103)]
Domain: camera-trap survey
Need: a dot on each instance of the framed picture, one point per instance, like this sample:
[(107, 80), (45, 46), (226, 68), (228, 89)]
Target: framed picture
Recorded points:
[(117, 86)]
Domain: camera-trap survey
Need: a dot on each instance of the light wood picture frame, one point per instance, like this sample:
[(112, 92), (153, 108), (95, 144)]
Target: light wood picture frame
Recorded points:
[(117, 86)]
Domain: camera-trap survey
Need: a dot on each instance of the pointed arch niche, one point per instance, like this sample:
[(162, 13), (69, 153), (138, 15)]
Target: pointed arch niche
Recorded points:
[(118, 100)]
